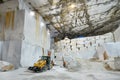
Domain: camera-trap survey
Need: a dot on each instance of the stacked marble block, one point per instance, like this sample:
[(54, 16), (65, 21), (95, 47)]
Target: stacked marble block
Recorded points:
[(78, 44), (59, 59)]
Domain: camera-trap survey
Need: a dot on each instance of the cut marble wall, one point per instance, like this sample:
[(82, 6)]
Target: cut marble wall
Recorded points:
[(30, 54), (17, 32), (9, 5), (117, 34), (9, 33), (1, 27), (23, 41), (83, 47), (1, 43), (11, 46), (11, 52), (42, 38), (112, 50), (33, 44), (99, 53)]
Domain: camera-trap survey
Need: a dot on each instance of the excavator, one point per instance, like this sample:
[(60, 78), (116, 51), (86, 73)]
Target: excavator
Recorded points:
[(42, 64)]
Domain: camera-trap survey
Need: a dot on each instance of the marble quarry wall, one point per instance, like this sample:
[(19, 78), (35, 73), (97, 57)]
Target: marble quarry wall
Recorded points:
[(23, 40), (83, 47), (117, 34), (112, 50), (25, 36), (1, 50), (36, 40), (80, 51), (36, 37), (11, 38)]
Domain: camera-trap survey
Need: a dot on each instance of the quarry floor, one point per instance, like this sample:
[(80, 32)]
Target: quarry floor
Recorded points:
[(58, 73)]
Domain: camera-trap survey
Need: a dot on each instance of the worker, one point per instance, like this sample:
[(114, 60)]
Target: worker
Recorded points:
[(49, 59), (64, 63)]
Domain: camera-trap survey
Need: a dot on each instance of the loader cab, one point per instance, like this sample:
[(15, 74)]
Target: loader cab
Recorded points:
[(47, 58), (44, 57)]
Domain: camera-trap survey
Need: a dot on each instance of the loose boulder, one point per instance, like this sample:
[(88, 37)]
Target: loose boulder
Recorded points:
[(5, 66)]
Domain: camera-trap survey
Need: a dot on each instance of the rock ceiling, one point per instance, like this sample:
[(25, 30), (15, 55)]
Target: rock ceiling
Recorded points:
[(3, 1), (74, 18)]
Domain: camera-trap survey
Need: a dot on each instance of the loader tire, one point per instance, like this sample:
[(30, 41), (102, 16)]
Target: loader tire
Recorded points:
[(36, 69), (30, 68)]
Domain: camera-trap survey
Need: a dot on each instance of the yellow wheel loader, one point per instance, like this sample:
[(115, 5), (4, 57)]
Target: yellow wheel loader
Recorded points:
[(42, 65)]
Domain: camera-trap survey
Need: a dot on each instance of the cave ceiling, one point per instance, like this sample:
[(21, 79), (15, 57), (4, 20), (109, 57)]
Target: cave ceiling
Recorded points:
[(75, 18)]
